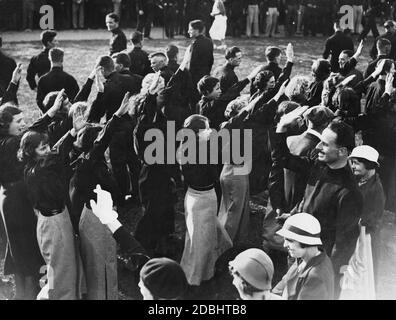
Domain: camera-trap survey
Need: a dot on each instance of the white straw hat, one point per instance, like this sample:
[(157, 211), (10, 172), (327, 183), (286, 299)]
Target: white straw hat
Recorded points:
[(365, 152), (303, 228)]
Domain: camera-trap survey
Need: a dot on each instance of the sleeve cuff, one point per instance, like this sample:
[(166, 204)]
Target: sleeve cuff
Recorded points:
[(114, 226)]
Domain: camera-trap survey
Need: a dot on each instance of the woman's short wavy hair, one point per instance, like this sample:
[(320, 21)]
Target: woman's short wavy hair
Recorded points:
[(7, 113), (262, 78), (29, 142), (297, 87)]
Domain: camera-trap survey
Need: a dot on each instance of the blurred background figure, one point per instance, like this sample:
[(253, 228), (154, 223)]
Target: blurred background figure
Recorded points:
[(78, 14)]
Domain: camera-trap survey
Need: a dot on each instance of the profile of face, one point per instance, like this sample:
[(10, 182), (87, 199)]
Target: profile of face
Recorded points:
[(329, 152), (237, 60), (193, 32), (358, 168), (157, 63), (111, 24), (216, 92), (52, 44), (42, 150), (271, 83), (17, 126), (294, 248), (278, 59), (343, 59), (145, 292)]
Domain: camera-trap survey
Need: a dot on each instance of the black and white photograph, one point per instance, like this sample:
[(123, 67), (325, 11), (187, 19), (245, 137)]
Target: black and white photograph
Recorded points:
[(214, 151)]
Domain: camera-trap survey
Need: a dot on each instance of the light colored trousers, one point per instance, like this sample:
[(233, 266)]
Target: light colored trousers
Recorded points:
[(252, 18), (357, 18), (272, 18)]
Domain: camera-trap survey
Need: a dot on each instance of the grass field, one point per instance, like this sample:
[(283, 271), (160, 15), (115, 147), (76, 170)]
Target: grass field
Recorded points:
[(80, 56)]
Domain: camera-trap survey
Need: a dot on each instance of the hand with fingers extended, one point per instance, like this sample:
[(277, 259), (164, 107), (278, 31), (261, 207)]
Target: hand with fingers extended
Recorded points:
[(99, 79), (16, 75), (60, 97), (290, 118), (79, 119), (290, 53), (379, 68), (125, 104), (103, 207), (358, 50), (389, 83), (281, 90)]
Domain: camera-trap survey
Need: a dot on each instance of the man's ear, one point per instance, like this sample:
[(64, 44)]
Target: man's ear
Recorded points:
[(343, 151)]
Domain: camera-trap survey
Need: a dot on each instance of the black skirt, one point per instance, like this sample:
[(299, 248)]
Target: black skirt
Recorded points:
[(22, 254)]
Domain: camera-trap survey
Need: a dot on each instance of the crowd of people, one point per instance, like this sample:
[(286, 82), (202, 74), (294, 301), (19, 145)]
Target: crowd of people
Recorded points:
[(248, 17), (61, 189)]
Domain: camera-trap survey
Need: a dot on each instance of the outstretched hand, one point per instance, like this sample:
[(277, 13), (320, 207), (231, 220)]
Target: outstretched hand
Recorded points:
[(124, 107), (290, 53), (57, 104), (103, 207), (99, 79), (379, 68), (389, 83), (290, 118), (347, 80), (16, 75)]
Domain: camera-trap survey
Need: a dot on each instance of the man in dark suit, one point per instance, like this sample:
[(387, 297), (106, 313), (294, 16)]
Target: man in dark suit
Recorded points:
[(226, 73), (383, 50), (7, 67), (331, 194), (118, 41), (201, 54), (56, 79), (122, 64), (335, 44), (317, 119), (389, 35), (140, 63), (40, 64), (109, 99)]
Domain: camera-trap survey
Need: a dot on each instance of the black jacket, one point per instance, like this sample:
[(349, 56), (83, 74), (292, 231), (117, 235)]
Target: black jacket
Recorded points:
[(373, 64), (56, 80), (118, 41), (227, 76), (7, 67), (392, 38), (115, 87), (274, 68), (39, 65), (140, 63), (332, 196), (335, 45), (201, 58)]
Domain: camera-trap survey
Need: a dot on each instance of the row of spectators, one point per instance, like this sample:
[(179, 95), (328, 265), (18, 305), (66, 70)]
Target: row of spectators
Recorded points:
[(246, 17)]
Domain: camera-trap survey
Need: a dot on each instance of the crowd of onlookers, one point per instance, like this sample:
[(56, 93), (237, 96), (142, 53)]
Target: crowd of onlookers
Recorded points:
[(246, 17)]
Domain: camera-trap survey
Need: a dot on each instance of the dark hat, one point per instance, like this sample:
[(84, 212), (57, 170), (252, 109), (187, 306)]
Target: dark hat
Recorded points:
[(389, 24), (164, 278)]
